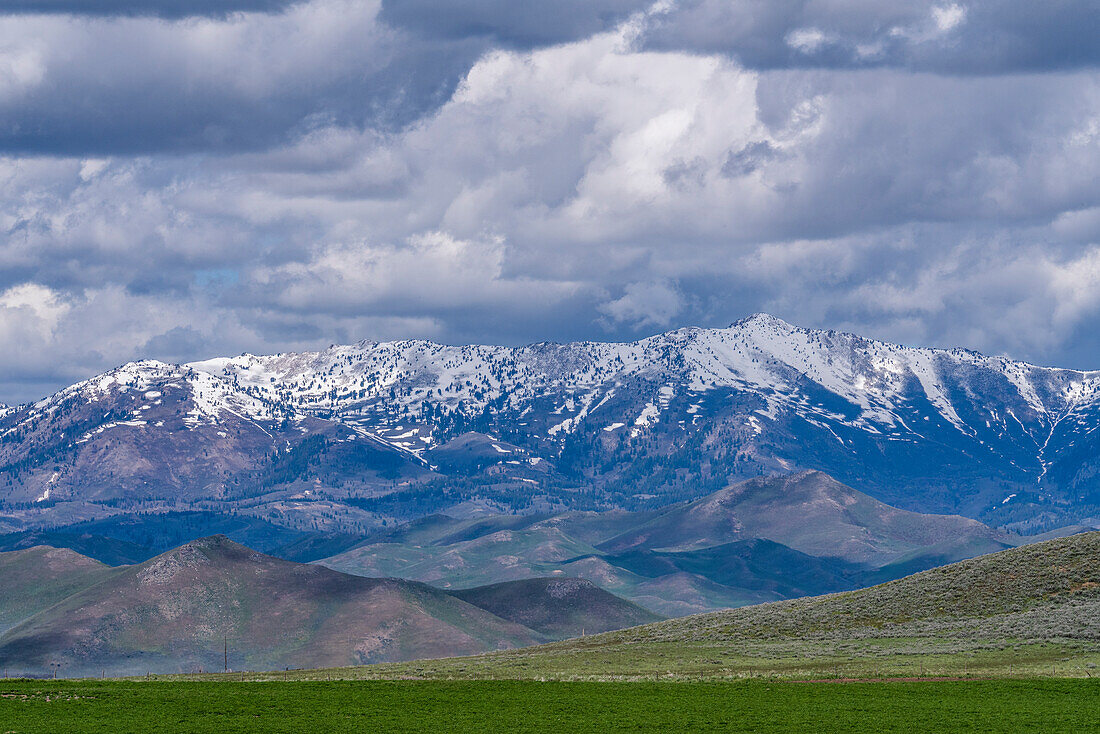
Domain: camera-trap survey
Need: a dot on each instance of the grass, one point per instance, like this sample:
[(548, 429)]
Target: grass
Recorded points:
[(406, 706), (593, 660)]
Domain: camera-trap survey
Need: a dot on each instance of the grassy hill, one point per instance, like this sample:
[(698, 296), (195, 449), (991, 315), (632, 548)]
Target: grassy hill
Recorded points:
[(111, 551), (756, 564), (761, 540), (533, 549), (1028, 610), (557, 607), (38, 577), (135, 537), (1038, 592), (502, 555)]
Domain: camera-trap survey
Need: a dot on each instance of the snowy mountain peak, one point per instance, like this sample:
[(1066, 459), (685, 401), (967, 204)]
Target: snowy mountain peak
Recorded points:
[(879, 385), (759, 397), (762, 320)]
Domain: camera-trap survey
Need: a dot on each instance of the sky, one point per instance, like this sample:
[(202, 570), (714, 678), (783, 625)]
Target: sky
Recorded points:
[(183, 179)]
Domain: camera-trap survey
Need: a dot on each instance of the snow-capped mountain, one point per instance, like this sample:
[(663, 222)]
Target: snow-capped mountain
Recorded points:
[(151, 436), (585, 424)]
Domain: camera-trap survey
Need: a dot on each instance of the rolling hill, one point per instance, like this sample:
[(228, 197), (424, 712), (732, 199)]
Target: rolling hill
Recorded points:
[(1038, 592), (131, 538), (557, 607), (174, 613), (185, 609), (108, 550), (808, 511), (759, 540), (1029, 610), (38, 577)]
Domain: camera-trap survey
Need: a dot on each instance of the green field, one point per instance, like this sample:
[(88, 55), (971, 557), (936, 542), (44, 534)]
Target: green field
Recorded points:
[(579, 661), (408, 706)]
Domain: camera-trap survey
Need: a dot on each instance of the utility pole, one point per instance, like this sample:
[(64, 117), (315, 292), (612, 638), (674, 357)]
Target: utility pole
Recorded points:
[(225, 649)]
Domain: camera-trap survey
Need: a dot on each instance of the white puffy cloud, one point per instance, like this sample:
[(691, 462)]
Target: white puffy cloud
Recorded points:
[(30, 312), (653, 304), (429, 273)]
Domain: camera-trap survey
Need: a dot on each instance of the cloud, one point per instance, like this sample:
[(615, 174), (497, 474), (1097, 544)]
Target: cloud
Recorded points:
[(653, 304), (120, 77), (979, 37), (604, 186), (948, 17), (246, 81), (151, 8), (513, 24), (988, 290), (29, 312), (111, 78), (430, 272)]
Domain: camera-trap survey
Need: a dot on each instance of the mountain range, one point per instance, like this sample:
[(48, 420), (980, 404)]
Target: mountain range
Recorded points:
[(760, 540), (356, 436), (213, 603)]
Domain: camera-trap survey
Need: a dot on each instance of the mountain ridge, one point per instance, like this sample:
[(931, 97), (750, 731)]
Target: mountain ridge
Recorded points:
[(588, 425)]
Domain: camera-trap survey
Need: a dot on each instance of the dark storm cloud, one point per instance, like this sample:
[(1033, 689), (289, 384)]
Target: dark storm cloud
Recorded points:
[(953, 36), (94, 112), (134, 8), (90, 86), (513, 23)]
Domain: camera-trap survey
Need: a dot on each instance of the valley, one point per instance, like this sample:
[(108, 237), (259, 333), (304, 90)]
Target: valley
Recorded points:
[(1024, 608)]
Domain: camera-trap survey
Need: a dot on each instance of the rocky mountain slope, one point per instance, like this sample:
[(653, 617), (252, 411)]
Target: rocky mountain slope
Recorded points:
[(354, 435)]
